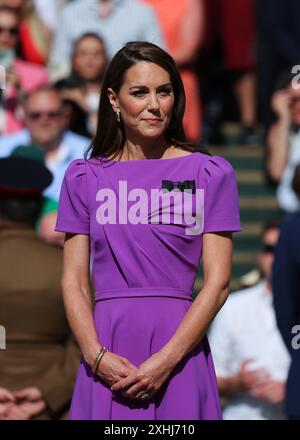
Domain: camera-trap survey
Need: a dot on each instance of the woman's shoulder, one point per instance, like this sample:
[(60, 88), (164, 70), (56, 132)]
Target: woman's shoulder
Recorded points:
[(216, 167), (75, 170), (88, 167)]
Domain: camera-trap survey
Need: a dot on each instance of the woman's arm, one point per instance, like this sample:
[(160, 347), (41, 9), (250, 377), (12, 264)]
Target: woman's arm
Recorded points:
[(217, 260), (76, 294), (79, 309), (191, 33), (278, 136)]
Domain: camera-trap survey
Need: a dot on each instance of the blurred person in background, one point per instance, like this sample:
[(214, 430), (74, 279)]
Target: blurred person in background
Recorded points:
[(278, 47), (35, 35), (237, 27), (286, 287), (39, 364), (284, 143), (182, 25), (20, 76), (227, 68), (46, 129), (250, 357), (116, 21), (49, 10), (81, 90), (46, 221)]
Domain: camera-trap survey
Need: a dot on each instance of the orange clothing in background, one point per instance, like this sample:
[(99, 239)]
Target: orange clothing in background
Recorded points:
[(30, 50), (170, 14)]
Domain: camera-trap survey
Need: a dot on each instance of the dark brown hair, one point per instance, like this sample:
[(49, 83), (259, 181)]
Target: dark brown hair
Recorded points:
[(110, 136), (83, 37)]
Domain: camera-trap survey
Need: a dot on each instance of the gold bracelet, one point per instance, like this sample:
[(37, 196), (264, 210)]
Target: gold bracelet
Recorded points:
[(98, 359)]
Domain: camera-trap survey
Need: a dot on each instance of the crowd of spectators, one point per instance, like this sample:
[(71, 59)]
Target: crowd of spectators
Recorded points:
[(238, 60)]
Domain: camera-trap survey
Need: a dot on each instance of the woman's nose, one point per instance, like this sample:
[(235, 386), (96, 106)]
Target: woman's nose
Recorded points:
[(153, 102)]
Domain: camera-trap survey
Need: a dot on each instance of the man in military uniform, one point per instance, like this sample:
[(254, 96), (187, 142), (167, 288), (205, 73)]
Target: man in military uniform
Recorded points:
[(39, 364)]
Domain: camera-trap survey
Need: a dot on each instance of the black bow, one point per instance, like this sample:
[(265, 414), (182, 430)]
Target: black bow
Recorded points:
[(181, 185)]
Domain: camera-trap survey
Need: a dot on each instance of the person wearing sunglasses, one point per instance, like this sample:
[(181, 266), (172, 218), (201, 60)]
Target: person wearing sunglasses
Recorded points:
[(19, 76), (46, 128), (250, 357), (35, 32), (284, 141)]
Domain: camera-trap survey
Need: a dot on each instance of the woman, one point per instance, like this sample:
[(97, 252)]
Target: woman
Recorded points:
[(21, 77), (158, 364), (81, 90), (35, 35)]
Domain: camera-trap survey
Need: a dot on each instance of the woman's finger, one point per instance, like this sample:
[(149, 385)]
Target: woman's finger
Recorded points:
[(124, 383), (134, 390)]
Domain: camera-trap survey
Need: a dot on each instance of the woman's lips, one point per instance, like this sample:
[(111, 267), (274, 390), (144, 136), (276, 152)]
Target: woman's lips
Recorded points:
[(152, 120)]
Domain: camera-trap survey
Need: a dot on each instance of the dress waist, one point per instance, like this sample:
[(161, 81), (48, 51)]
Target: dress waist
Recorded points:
[(132, 292)]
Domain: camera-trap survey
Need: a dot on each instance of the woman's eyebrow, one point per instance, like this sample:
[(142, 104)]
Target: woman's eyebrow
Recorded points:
[(145, 87)]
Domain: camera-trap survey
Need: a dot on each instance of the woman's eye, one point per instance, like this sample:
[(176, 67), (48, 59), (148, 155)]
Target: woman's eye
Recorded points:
[(138, 94), (165, 92)]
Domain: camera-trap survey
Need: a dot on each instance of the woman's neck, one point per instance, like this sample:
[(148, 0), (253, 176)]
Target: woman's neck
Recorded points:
[(137, 150)]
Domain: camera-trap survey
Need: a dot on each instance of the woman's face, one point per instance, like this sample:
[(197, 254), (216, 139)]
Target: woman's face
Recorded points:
[(89, 59), (145, 100), (8, 31)]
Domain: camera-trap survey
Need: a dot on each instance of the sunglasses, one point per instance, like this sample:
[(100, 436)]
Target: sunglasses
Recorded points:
[(10, 30), (38, 115), (268, 248)]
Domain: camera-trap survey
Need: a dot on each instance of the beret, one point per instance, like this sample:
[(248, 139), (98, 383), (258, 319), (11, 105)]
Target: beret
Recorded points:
[(23, 176)]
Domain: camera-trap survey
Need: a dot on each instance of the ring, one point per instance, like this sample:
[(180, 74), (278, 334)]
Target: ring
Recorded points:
[(142, 395)]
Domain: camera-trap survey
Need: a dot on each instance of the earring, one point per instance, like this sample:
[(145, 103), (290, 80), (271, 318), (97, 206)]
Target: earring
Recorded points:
[(118, 115)]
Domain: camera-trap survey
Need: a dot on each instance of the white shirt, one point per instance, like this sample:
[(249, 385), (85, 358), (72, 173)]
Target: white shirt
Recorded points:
[(129, 20), (246, 328), (48, 11)]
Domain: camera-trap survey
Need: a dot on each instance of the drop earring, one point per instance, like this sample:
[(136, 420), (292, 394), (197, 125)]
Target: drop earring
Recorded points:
[(118, 115)]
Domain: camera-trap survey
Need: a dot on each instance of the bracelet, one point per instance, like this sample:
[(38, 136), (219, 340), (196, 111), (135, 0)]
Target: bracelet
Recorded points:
[(98, 358)]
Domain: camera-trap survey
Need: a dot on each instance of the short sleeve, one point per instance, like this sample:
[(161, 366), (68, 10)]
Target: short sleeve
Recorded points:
[(221, 202), (73, 213)]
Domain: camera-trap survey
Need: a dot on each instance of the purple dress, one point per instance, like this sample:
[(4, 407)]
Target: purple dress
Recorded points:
[(144, 273)]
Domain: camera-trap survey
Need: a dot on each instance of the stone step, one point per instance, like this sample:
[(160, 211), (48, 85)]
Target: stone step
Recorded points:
[(250, 177), (248, 202), (257, 205), (234, 152), (259, 215), (255, 190), (249, 229), (249, 257)]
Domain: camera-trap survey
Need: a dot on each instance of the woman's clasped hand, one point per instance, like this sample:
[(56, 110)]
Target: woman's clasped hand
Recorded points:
[(140, 382)]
